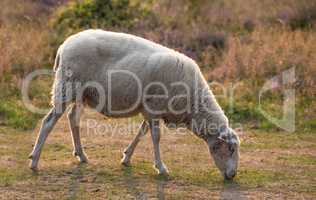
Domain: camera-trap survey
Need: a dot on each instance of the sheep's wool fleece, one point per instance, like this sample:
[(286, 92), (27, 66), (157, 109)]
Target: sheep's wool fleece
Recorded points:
[(90, 55)]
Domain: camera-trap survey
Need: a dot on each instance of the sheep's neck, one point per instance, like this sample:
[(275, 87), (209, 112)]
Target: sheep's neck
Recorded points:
[(207, 116)]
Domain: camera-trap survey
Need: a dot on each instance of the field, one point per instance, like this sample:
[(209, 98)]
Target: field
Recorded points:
[(239, 45), (273, 165)]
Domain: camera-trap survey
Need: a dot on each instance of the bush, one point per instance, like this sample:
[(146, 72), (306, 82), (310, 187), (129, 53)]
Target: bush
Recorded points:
[(303, 17), (103, 14)]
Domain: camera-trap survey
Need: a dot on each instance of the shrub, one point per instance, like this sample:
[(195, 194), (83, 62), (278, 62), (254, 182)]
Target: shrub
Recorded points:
[(303, 17), (103, 14)]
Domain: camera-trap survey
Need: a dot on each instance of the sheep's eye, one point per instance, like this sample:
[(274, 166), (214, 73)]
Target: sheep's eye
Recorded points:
[(231, 149)]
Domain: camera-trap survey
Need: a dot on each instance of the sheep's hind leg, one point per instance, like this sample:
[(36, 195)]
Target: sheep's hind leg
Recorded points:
[(155, 136), (48, 123), (128, 152), (74, 123)]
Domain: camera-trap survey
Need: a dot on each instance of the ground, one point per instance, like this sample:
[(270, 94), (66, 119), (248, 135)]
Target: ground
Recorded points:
[(273, 165)]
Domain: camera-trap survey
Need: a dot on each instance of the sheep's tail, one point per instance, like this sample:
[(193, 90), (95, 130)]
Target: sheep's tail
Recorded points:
[(57, 59), (59, 90)]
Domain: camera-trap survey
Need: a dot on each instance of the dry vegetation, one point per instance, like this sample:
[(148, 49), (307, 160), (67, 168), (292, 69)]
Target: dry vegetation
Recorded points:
[(246, 42), (23, 36), (267, 52), (240, 41), (258, 38), (24, 47)]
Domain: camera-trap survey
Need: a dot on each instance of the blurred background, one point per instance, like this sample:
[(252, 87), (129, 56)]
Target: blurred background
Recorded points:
[(235, 42)]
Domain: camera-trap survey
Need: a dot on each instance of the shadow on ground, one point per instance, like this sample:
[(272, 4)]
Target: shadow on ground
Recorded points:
[(132, 185)]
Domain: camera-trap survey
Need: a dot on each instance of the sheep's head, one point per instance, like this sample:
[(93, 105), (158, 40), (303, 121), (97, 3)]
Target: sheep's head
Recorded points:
[(224, 148)]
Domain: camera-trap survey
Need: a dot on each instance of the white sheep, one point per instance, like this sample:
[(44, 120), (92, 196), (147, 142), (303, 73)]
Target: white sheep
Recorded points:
[(121, 75)]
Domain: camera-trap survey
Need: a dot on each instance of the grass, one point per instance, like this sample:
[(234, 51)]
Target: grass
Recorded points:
[(13, 111), (23, 47), (266, 167), (21, 32), (16, 115), (302, 159), (279, 139)]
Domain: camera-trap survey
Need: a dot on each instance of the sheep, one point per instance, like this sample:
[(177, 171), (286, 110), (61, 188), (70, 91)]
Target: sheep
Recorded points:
[(121, 75)]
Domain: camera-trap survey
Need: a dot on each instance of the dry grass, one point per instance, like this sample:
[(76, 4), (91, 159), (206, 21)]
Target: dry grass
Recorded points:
[(240, 39), (266, 53), (23, 36), (266, 168), (233, 13), (232, 40), (22, 48)]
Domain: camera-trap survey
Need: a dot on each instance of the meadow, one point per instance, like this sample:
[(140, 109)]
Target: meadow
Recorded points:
[(238, 44), (273, 165)]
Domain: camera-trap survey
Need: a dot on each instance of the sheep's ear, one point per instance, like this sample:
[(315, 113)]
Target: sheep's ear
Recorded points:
[(234, 141), (223, 135), (221, 138), (227, 135)]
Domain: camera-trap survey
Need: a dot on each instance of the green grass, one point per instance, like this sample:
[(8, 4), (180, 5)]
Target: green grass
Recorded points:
[(300, 159), (9, 177), (266, 140), (253, 178), (14, 113)]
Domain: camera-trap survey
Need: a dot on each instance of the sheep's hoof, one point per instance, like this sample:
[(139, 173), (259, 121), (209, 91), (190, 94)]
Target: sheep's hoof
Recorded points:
[(125, 161), (81, 157), (126, 164), (162, 169), (33, 163), (33, 167)]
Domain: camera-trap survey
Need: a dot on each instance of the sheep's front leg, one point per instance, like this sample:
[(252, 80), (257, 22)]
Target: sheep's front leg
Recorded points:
[(47, 125), (74, 122), (155, 136), (128, 152)]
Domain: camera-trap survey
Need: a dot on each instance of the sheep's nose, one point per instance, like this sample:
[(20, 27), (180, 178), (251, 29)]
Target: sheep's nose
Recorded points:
[(230, 175)]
